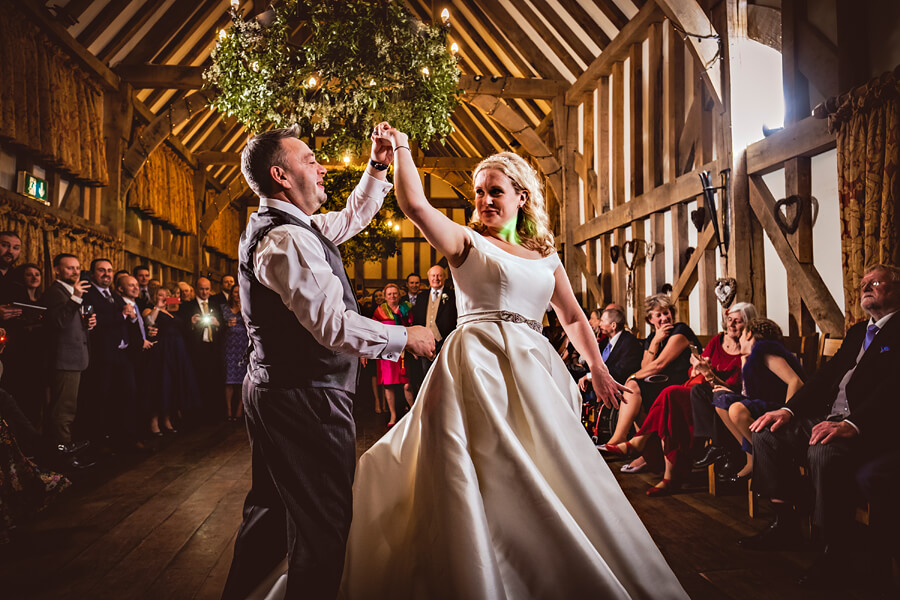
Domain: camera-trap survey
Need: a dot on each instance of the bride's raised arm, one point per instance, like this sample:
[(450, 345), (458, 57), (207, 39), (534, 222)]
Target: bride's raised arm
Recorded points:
[(447, 237)]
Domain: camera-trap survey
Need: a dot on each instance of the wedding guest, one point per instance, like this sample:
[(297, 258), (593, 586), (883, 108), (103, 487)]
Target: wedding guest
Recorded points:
[(221, 297), (847, 413), (10, 248), (435, 309), (142, 274), (234, 354), (391, 374), (67, 343), (666, 361), (204, 321), (413, 281), (171, 385)]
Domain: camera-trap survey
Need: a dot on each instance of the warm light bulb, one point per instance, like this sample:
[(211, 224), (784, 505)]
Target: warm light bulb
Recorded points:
[(372, 82), (346, 160), (454, 47), (312, 82), (390, 223), (425, 71), (235, 4), (396, 228), (222, 34), (255, 66), (445, 15)]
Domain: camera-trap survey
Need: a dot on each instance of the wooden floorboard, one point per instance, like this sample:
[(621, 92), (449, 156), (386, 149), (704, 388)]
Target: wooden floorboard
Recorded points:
[(162, 526)]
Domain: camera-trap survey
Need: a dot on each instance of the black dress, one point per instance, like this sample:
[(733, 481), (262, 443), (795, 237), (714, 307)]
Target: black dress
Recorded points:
[(171, 383), (675, 373)]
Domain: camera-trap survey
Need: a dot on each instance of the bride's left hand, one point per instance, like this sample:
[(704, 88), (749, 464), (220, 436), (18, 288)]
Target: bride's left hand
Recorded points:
[(382, 146), (608, 391)]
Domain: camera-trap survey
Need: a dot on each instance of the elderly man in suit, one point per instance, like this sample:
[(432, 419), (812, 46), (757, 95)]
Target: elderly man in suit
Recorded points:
[(845, 416), (435, 308), (620, 350), (67, 342), (203, 317)]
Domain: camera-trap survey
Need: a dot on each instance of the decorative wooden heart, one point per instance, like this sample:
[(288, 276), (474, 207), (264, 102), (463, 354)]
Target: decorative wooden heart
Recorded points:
[(629, 253), (726, 288), (614, 254), (788, 227), (698, 218)]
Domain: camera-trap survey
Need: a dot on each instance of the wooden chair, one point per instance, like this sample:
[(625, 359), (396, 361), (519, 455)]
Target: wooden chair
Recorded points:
[(828, 347)]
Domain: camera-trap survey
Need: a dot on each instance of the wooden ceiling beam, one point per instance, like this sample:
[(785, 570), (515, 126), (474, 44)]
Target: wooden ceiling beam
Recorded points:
[(101, 22), (586, 22), (161, 32), (614, 13), (187, 29), (513, 87), (575, 41), (170, 77), (689, 15), (491, 48), (128, 31), (617, 51), (551, 41)]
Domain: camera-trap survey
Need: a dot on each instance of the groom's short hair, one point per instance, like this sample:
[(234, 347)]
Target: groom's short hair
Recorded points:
[(263, 151)]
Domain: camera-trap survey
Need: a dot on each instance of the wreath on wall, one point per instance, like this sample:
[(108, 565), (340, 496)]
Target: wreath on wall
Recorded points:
[(336, 69)]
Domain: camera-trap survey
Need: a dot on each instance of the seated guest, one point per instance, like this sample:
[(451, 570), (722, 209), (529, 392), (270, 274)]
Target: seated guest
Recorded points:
[(171, 385), (234, 354), (391, 374), (770, 375), (707, 425), (666, 361), (620, 350), (667, 433), (846, 414)]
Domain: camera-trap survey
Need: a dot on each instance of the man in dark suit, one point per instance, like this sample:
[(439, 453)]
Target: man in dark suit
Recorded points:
[(413, 282), (306, 334), (620, 350), (844, 416), (435, 309), (203, 317), (142, 275), (67, 343), (108, 394), (222, 296)]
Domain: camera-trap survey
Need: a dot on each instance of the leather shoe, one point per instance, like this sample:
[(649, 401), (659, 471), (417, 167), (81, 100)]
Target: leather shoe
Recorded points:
[(732, 479), (712, 454), (79, 463), (730, 464), (73, 447), (782, 534)]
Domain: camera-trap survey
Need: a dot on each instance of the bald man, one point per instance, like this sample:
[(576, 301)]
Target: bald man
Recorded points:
[(435, 309), (203, 317)]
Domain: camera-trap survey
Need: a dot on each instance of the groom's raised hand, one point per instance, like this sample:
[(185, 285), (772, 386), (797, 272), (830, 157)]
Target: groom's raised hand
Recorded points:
[(382, 149), (420, 341)]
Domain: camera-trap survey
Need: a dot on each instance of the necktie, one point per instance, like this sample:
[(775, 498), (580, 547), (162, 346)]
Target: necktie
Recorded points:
[(140, 323), (606, 350), (107, 295), (434, 295), (871, 332), (207, 330)]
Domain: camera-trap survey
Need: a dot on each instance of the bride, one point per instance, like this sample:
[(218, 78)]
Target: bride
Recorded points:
[(490, 488)]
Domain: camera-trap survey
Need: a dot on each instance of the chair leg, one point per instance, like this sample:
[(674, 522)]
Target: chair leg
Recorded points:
[(711, 473), (751, 498)]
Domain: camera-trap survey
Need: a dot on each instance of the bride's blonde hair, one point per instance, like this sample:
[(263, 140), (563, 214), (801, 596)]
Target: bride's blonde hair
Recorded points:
[(532, 223)]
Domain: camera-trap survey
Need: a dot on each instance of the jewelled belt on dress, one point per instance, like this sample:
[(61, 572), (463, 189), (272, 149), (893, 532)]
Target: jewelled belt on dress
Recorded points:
[(499, 315)]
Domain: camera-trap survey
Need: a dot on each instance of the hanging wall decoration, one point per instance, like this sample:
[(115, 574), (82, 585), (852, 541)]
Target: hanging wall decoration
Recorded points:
[(336, 69)]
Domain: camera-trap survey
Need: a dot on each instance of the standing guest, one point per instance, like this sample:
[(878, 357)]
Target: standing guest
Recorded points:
[(845, 416), (108, 393), (171, 385), (307, 333), (413, 282), (391, 374), (24, 376), (435, 309), (666, 361), (770, 376), (234, 352), (224, 293), (10, 247), (142, 274), (67, 343), (204, 320), (139, 343), (186, 292)]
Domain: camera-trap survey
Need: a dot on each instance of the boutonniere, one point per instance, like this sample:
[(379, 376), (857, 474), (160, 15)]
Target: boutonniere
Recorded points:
[(444, 298)]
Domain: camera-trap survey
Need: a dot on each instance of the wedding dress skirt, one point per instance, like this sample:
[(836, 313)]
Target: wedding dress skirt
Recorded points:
[(489, 488)]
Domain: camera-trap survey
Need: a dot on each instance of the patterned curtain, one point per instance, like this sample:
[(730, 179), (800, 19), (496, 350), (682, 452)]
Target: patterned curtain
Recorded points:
[(225, 233), (867, 124), (164, 189), (47, 103)]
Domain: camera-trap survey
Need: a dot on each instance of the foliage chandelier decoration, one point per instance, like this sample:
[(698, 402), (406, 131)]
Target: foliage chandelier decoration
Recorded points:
[(336, 69)]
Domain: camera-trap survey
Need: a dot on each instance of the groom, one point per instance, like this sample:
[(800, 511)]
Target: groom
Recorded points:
[(306, 334)]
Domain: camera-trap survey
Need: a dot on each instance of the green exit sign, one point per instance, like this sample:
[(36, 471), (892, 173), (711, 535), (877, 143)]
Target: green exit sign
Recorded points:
[(33, 187)]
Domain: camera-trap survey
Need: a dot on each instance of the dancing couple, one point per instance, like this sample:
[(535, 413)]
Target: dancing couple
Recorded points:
[(489, 487)]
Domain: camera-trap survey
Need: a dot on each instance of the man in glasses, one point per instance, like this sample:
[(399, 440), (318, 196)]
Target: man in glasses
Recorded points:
[(842, 426)]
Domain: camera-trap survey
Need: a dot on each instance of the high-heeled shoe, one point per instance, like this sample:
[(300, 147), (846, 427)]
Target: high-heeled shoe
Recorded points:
[(670, 487), (614, 449)]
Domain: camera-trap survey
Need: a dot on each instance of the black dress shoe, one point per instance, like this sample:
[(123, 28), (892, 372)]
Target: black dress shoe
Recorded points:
[(730, 464), (712, 454), (73, 447), (79, 463), (782, 534), (821, 574), (169, 431), (732, 479)]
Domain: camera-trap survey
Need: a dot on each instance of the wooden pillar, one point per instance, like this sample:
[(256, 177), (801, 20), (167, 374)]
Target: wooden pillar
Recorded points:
[(199, 207), (617, 176), (110, 210), (603, 186), (565, 129)]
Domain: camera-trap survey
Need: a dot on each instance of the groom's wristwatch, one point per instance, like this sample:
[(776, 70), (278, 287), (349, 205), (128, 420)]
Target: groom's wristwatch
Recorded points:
[(377, 165)]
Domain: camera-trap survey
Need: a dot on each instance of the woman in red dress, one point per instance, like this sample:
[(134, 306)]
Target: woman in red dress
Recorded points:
[(392, 374)]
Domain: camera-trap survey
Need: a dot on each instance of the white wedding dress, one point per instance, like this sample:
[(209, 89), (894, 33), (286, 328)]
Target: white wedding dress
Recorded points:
[(489, 488)]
